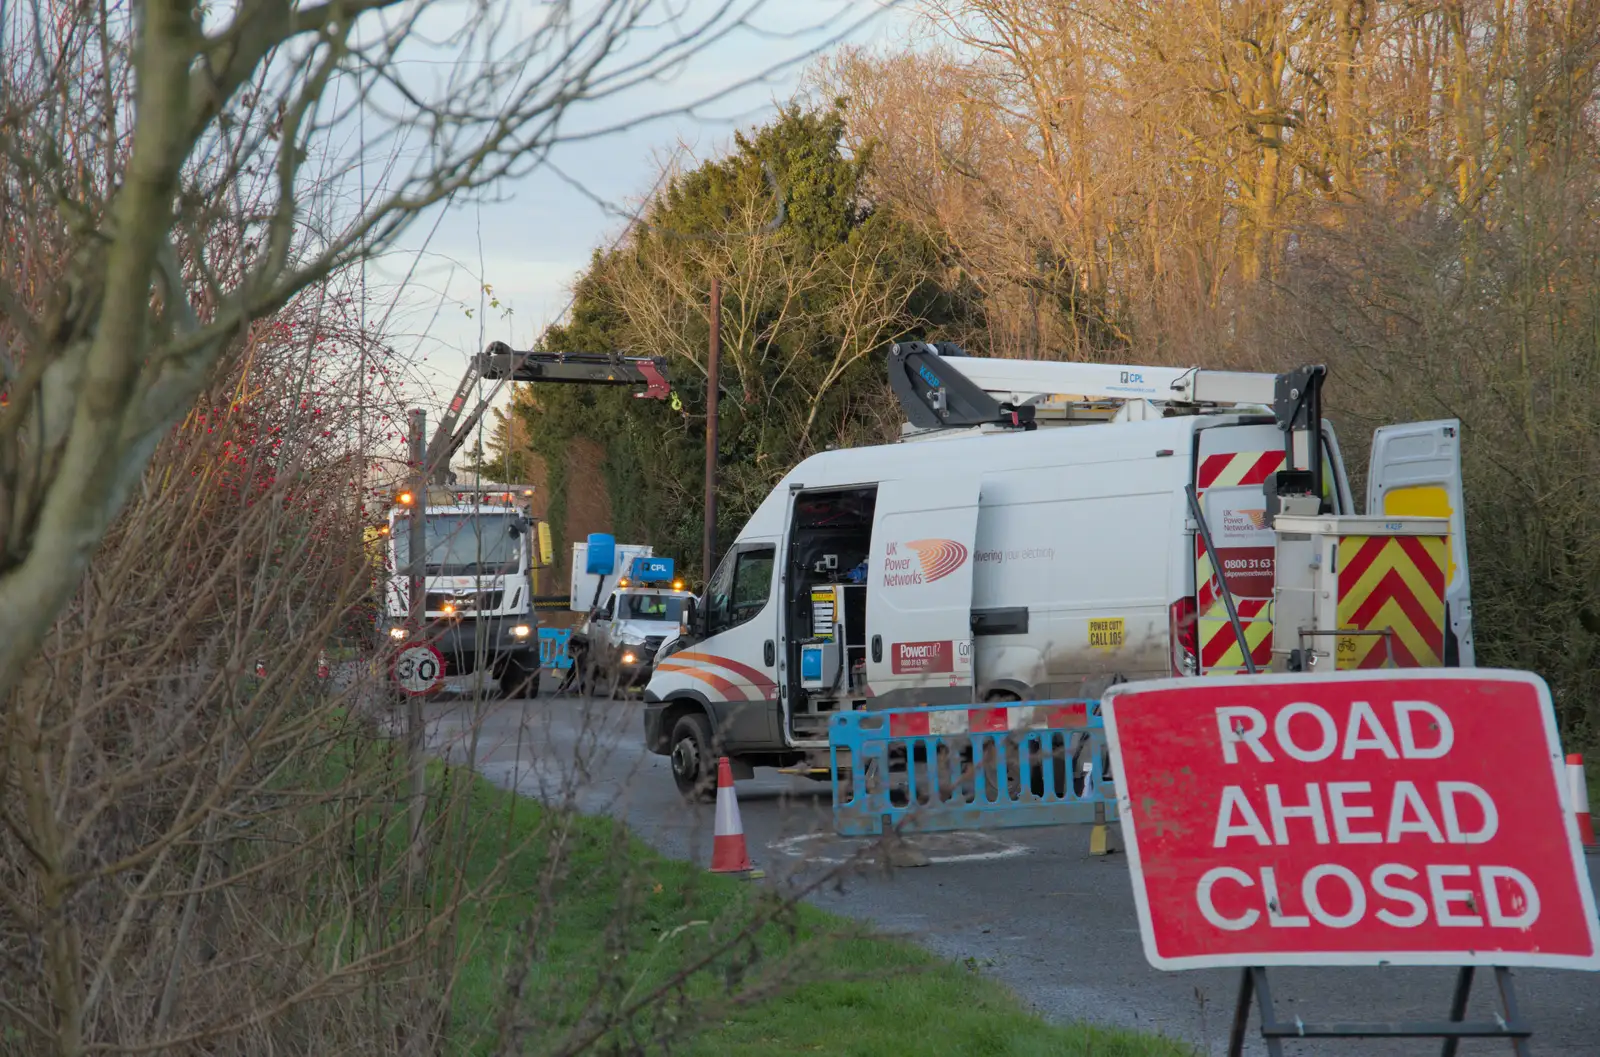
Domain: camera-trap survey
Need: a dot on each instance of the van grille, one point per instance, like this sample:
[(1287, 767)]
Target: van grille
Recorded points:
[(465, 601)]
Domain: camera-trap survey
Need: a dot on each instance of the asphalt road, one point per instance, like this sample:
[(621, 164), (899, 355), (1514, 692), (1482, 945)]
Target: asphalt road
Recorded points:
[(1029, 907)]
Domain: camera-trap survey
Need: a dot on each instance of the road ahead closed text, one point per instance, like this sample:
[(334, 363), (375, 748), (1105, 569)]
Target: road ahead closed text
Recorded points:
[(1325, 820)]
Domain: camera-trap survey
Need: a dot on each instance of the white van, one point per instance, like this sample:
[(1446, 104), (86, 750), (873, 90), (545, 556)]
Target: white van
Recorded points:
[(988, 566)]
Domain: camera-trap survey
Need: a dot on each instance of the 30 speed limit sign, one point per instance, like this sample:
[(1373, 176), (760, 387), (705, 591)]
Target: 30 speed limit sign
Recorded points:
[(419, 668)]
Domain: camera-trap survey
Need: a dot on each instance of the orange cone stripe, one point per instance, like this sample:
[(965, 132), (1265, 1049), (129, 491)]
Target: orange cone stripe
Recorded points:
[(1392, 583), (1579, 783)]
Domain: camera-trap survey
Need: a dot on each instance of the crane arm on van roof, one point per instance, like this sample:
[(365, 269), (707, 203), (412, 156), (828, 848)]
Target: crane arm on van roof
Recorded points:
[(941, 387)]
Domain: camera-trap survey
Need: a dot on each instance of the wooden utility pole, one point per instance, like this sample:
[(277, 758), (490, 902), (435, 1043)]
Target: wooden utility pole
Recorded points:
[(713, 383), (418, 546)]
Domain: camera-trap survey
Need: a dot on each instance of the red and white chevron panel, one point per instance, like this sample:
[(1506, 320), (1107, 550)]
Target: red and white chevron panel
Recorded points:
[(1219, 648)]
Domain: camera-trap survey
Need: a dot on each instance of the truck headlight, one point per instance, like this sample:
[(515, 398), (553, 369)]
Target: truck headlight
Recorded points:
[(397, 633), (521, 631)]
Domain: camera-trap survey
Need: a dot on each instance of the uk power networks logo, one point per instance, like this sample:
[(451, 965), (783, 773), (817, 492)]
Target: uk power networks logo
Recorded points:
[(1257, 518), (936, 558), (939, 558)]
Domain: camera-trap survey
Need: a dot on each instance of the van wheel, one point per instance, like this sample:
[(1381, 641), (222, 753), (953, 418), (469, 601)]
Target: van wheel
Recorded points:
[(694, 767)]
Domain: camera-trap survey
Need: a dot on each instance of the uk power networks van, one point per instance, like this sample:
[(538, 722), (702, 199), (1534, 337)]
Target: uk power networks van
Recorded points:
[(991, 557)]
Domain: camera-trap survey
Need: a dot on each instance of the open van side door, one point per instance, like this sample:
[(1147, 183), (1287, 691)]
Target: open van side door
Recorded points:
[(919, 590), (1416, 471)]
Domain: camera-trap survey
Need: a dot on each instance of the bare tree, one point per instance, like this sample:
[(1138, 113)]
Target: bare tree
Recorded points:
[(1121, 173), (204, 836), (132, 134), (197, 833)]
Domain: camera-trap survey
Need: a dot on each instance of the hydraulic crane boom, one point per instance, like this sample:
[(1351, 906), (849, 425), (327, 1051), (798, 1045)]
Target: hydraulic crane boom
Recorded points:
[(942, 388), (499, 361)]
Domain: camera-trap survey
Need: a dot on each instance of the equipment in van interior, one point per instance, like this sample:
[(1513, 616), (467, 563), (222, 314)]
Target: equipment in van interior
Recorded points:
[(830, 536)]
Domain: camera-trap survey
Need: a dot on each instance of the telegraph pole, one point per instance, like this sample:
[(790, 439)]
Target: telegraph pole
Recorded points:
[(419, 507), (418, 545), (709, 546)]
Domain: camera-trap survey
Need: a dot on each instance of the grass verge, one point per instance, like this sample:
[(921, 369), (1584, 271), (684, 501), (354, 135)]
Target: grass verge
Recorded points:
[(619, 919)]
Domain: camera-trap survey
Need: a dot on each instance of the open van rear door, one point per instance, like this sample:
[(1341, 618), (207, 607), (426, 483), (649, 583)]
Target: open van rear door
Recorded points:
[(1416, 471), (919, 589)]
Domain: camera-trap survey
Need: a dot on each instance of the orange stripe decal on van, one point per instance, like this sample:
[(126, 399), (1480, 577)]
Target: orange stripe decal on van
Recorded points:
[(730, 691), (756, 678)]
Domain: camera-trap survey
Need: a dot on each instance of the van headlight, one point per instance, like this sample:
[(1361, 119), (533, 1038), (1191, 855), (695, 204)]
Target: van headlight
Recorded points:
[(629, 657), (521, 631), (397, 633)]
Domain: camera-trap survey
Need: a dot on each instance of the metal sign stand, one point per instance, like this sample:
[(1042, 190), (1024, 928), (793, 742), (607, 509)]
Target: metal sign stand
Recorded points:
[(1509, 1025)]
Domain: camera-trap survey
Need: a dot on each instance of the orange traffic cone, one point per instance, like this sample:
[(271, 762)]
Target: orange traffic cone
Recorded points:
[(728, 851), (322, 664), (1579, 784)]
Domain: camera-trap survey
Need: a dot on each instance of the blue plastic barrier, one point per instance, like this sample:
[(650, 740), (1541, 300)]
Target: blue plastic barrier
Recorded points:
[(553, 648), (955, 767)]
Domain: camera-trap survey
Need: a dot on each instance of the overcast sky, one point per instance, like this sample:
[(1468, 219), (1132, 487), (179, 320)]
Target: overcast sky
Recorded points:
[(531, 244)]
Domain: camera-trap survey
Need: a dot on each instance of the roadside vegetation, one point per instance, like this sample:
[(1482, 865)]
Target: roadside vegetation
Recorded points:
[(205, 846), (625, 921)]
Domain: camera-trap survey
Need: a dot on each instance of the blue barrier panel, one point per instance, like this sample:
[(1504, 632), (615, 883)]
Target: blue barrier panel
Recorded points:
[(952, 767), (553, 648)]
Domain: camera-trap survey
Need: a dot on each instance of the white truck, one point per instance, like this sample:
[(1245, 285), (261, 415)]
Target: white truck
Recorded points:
[(478, 583), (996, 555), (598, 563), (616, 647)]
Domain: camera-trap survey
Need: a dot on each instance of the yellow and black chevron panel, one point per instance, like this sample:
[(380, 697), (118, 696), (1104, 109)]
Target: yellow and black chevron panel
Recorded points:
[(1393, 583)]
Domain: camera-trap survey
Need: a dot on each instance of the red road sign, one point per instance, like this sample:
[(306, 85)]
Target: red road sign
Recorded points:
[(418, 668), (1412, 817)]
